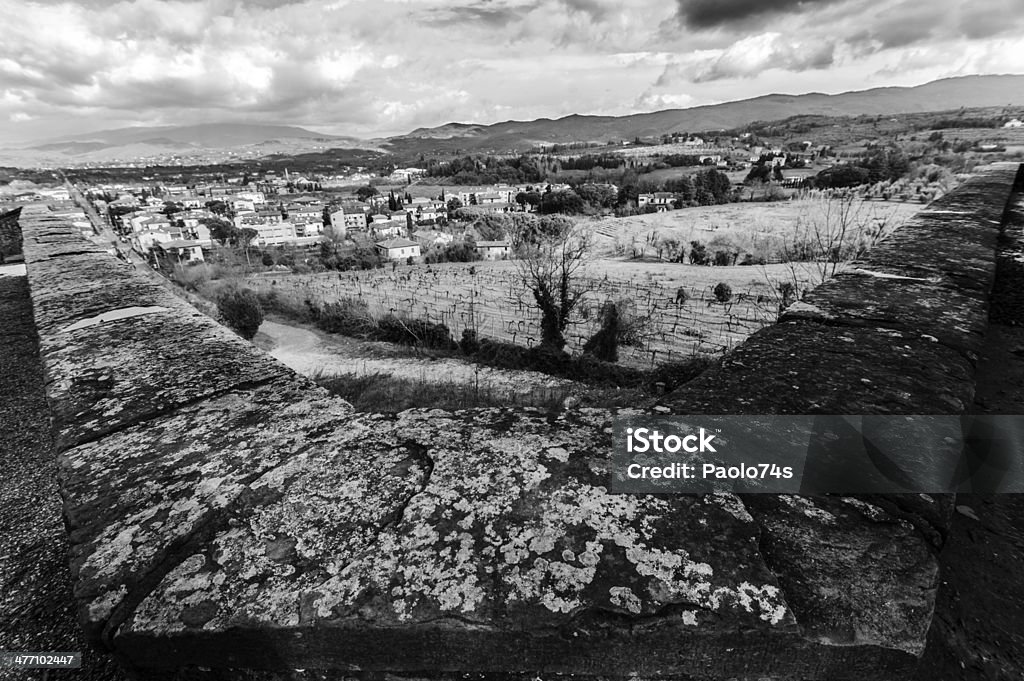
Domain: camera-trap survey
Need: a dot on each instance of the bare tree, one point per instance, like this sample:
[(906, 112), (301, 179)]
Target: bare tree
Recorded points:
[(834, 229), (551, 268)]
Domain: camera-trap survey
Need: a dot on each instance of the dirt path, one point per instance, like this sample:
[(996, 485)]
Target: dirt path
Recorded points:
[(313, 352)]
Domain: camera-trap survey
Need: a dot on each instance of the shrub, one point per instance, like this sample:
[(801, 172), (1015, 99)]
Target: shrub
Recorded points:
[(348, 316), (723, 292), (469, 344), (604, 344), (393, 329), (241, 311), (723, 258), (698, 253)]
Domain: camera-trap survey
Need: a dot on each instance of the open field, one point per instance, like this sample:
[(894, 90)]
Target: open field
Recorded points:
[(756, 228)]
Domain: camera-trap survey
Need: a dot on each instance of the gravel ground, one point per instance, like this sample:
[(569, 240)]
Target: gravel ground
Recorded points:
[(36, 606)]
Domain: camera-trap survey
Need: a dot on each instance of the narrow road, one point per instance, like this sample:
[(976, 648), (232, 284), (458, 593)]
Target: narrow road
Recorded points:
[(312, 352)]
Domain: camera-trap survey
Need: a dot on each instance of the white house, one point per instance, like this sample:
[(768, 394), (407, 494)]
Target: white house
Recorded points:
[(272, 234), (398, 249), (182, 250), (428, 238), (308, 226), (386, 229), (146, 239), (143, 222), (351, 217), (660, 200), (1014, 123)]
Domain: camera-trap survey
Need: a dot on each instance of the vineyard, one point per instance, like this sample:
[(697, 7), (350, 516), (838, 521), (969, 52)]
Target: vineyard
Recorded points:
[(490, 299)]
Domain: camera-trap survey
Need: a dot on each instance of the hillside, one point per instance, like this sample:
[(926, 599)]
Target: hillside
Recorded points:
[(206, 143), (949, 93), (208, 134)]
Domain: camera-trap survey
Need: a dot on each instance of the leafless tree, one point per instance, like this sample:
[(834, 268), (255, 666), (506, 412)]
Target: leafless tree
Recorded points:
[(834, 229), (552, 269)]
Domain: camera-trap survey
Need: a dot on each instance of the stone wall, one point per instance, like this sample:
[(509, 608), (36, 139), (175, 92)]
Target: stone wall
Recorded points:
[(228, 515), (10, 235)]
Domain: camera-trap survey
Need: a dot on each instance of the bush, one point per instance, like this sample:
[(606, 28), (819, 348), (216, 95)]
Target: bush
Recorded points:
[(698, 253), (723, 258), (241, 311), (604, 344), (347, 316), (393, 329), (723, 292), (469, 344)]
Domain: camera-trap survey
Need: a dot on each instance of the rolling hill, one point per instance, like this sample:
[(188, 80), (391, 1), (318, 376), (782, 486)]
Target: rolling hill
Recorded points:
[(940, 95), (193, 143)]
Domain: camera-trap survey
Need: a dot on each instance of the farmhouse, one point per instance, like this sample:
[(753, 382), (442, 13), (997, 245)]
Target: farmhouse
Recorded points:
[(493, 250), (398, 249), (660, 200)]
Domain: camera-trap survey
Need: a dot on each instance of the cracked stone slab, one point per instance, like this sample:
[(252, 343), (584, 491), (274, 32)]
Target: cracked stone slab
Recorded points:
[(487, 541), (135, 496), (108, 376), (57, 248), (817, 544), (955, 262), (63, 302), (806, 367), (952, 317)]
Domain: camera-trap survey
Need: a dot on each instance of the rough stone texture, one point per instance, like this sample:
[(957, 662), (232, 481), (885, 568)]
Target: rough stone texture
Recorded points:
[(135, 497), (10, 235), (106, 376), (225, 515), (36, 602)]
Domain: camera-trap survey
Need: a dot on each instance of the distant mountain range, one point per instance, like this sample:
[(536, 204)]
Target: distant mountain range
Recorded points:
[(209, 135), (202, 143), (939, 95), (229, 141)]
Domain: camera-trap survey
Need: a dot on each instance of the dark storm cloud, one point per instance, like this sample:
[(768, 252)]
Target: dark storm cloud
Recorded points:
[(702, 14), (486, 14)]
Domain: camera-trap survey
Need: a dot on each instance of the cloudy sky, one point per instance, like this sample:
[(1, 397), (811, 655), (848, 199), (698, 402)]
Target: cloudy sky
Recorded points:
[(380, 67)]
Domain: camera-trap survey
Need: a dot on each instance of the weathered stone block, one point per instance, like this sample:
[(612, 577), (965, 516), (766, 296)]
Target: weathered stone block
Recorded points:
[(138, 496)]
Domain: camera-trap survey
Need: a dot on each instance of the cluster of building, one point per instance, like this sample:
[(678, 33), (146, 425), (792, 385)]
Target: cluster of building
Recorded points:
[(173, 220)]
